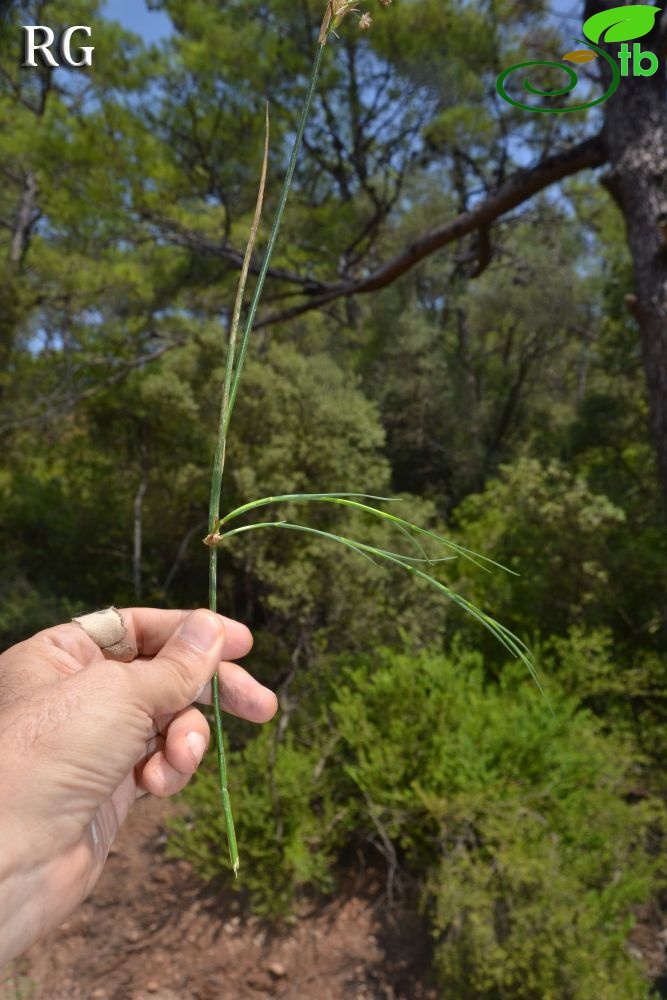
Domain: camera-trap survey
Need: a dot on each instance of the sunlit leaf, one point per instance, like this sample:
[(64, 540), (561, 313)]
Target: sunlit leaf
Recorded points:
[(579, 56)]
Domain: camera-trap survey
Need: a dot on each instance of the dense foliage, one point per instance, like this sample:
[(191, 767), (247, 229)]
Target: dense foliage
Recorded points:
[(512, 823), (497, 388)]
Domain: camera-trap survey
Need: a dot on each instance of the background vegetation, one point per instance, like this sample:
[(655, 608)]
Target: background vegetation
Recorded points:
[(497, 386)]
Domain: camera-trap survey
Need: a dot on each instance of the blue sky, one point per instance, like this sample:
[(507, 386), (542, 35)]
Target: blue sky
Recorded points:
[(133, 14), (152, 25)]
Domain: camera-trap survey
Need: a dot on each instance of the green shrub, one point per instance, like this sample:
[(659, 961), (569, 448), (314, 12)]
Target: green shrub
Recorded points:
[(513, 826), (552, 529), (284, 820), (623, 686)]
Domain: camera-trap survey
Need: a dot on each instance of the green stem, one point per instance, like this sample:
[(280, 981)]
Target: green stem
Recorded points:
[(214, 503), (222, 774), (214, 514), (232, 378)]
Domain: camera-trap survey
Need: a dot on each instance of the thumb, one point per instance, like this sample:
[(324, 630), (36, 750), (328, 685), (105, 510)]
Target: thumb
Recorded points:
[(174, 678)]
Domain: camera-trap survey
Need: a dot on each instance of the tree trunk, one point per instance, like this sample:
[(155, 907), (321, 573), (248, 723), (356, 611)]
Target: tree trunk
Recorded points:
[(636, 138), (138, 537)]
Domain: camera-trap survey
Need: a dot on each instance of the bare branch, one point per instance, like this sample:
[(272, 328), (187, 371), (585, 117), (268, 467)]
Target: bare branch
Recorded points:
[(515, 191), (62, 401), (191, 240), (194, 532), (25, 219)]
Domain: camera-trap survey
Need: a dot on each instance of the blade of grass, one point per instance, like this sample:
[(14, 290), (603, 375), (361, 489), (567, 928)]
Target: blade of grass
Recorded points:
[(511, 642), (344, 499), (282, 201), (362, 548)]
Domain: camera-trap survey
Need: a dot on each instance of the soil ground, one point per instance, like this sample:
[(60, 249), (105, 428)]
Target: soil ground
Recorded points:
[(152, 931)]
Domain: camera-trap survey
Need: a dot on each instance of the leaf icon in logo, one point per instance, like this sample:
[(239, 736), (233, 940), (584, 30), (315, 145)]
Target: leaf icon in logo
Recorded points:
[(621, 24), (579, 56)]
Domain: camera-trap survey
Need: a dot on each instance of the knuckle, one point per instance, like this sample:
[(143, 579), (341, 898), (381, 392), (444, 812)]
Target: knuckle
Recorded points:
[(184, 674)]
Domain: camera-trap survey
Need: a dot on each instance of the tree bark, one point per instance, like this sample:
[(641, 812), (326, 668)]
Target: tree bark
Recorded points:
[(636, 138), (25, 219), (138, 536)]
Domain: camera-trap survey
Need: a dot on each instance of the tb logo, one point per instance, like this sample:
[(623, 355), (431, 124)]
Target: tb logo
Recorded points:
[(618, 24), (38, 39)]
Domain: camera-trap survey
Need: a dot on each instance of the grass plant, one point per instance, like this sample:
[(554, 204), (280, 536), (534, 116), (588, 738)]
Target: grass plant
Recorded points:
[(421, 566)]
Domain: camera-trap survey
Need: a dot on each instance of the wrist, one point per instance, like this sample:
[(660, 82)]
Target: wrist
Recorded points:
[(23, 877), (18, 889)]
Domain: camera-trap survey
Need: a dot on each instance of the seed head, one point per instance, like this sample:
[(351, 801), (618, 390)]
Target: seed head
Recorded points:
[(337, 10)]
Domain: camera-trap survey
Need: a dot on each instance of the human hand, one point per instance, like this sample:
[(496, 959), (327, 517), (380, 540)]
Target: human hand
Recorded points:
[(82, 736)]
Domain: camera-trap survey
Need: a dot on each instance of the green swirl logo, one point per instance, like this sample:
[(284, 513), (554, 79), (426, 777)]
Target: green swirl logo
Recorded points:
[(573, 81), (620, 24)]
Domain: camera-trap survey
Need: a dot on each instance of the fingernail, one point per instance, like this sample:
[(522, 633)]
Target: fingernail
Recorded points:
[(201, 630), (197, 745)]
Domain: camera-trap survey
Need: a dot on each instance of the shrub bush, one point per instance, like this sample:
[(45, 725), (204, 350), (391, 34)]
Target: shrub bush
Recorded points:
[(513, 826)]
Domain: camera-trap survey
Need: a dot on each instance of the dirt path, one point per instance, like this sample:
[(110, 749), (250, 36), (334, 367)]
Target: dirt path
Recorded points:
[(153, 931)]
